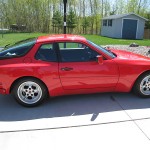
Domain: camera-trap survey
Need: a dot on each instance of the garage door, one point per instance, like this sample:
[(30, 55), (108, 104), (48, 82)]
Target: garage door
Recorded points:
[(129, 29)]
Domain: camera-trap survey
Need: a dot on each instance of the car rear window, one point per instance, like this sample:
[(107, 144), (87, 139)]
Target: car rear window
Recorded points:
[(18, 49)]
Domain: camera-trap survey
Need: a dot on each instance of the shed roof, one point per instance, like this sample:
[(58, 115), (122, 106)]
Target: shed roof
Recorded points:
[(123, 15)]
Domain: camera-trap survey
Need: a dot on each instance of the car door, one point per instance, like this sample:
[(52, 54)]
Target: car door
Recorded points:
[(78, 68)]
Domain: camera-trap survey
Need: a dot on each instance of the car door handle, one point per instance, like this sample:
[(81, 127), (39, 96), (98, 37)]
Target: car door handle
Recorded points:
[(66, 69)]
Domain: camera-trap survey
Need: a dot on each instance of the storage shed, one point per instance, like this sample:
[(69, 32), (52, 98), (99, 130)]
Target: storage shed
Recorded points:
[(126, 26)]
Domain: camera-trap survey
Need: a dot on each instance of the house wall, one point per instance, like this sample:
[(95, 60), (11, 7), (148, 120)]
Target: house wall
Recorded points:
[(141, 25), (108, 30), (115, 31), (118, 28)]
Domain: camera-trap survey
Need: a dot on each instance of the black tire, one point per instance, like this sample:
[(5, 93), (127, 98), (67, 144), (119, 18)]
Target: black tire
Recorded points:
[(142, 86), (29, 92)]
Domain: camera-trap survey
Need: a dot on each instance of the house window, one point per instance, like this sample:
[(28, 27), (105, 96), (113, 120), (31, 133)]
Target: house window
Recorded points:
[(104, 22), (110, 22)]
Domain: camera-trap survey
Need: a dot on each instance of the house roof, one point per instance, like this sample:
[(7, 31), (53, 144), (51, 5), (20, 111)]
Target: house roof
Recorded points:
[(123, 15)]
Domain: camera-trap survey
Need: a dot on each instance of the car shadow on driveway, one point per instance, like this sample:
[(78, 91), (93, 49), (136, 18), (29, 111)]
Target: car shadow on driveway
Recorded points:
[(75, 105)]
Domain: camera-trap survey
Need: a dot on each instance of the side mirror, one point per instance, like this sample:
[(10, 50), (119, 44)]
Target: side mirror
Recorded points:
[(99, 59)]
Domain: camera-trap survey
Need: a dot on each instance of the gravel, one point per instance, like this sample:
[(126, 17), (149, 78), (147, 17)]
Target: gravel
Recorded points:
[(142, 50)]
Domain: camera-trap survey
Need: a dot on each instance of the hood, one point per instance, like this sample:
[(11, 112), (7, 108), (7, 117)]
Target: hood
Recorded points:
[(122, 54)]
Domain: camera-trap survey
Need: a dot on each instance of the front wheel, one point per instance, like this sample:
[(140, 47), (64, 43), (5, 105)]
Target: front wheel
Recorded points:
[(142, 85), (29, 92)]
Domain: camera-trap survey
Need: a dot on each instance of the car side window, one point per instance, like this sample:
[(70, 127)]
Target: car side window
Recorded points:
[(76, 52), (46, 53), (18, 49)]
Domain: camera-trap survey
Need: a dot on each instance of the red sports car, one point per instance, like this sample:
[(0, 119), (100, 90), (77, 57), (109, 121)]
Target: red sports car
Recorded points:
[(69, 64)]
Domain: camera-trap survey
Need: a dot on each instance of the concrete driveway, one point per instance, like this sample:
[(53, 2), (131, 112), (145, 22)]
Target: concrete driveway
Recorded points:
[(117, 121)]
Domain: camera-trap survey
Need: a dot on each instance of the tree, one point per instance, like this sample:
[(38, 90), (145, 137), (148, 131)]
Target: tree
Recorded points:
[(42, 15), (120, 6), (57, 21), (92, 18), (85, 24), (137, 6), (71, 20), (147, 24)]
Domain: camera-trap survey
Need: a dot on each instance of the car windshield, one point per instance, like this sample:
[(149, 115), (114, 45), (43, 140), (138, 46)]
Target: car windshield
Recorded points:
[(18, 49), (108, 52)]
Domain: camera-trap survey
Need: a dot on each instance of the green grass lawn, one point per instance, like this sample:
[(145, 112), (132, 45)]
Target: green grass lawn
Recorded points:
[(110, 41), (14, 37), (11, 38)]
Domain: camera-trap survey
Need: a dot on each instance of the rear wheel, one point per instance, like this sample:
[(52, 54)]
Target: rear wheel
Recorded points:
[(142, 85), (29, 92)]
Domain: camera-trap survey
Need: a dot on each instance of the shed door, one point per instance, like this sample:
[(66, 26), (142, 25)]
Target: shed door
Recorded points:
[(129, 29)]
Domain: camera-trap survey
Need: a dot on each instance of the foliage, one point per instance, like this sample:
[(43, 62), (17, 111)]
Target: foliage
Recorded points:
[(71, 20), (57, 21), (46, 15), (147, 24), (85, 24)]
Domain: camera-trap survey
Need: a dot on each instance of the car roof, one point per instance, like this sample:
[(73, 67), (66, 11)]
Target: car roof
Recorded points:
[(60, 37)]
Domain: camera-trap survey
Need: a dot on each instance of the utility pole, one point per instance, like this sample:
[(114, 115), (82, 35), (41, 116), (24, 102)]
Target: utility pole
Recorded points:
[(65, 24)]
